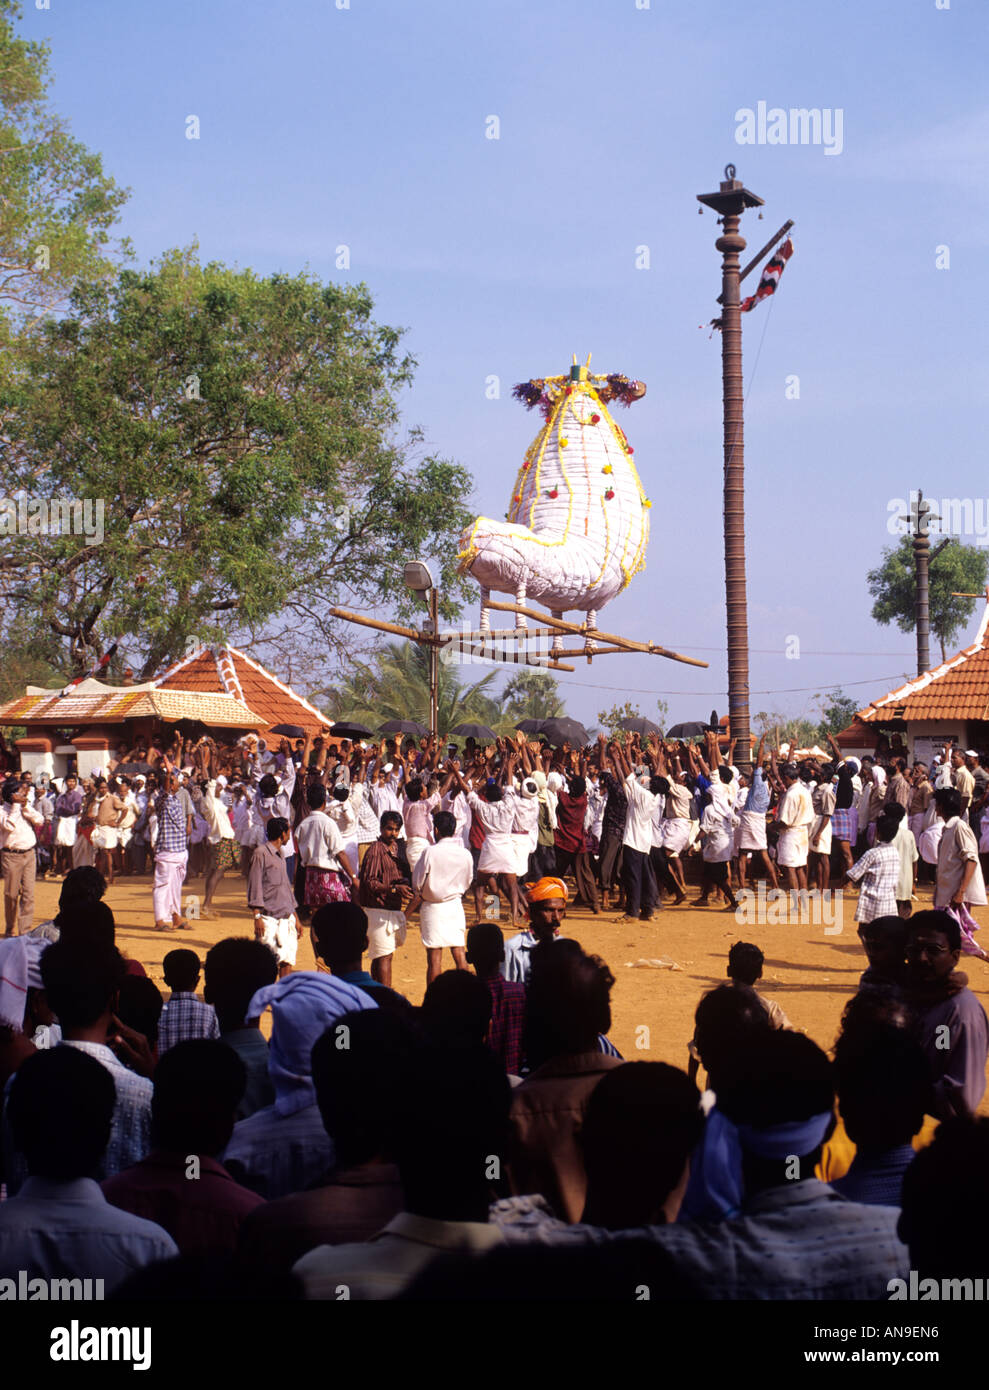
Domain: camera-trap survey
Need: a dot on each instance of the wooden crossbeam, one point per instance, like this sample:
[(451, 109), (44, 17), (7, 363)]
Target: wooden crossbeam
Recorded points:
[(582, 630)]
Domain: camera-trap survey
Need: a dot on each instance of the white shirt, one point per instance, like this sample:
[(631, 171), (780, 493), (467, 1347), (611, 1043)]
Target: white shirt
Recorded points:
[(716, 826), (216, 816), (383, 796), (443, 871), (15, 826), (344, 815), (456, 803), (638, 817), (384, 1265), (796, 807), (320, 841), (526, 820)]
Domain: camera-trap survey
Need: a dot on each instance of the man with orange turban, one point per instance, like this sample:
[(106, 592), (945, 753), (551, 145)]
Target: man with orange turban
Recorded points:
[(547, 906)]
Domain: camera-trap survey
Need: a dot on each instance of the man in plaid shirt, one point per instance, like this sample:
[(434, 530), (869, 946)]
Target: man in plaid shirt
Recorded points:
[(184, 1016), (879, 869), (485, 952), (173, 809)]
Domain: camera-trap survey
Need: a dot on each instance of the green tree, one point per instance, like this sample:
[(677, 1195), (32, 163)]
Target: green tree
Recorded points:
[(238, 432), (394, 684), (532, 694), (837, 713), (798, 731), (58, 204), (610, 719), (957, 569)]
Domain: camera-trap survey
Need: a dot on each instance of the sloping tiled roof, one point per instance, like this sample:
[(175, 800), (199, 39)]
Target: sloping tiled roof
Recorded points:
[(857, 735), (93, 703), (957, 689), (231, 671)]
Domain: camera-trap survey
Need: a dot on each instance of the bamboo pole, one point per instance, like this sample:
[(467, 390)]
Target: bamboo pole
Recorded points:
[(582, 630), (412, 634)]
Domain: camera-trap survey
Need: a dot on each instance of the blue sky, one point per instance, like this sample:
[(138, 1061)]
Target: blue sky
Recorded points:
[(365, 126)]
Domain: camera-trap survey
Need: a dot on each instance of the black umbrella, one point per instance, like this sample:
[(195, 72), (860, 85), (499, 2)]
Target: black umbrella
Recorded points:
[(530, 726), (347, 729), (557, 731), (404, 726), (640, 726), (479, 732), (288, 730), (692, 729)]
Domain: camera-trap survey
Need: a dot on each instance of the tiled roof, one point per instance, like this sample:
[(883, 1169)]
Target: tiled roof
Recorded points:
[(231, 671), (93, 703), (857, 735), (957, 689)]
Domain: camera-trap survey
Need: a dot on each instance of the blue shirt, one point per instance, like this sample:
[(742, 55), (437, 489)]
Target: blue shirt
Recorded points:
[(276, 1154), (758, 797), (878, 1179), (517, 965), (69, 1230), (173, 810)]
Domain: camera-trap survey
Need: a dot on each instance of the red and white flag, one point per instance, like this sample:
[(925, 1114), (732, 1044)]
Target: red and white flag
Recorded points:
[(768, 282), (770, 276)]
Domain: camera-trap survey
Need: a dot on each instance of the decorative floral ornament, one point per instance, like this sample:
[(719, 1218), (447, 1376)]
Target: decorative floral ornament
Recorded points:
[(564, 443), (595, 419), (646, 502), (607, 468), (609, 494), (629, 449), (552, 492)]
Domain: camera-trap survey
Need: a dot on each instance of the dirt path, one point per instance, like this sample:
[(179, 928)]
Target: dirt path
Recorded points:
[(810, 974)]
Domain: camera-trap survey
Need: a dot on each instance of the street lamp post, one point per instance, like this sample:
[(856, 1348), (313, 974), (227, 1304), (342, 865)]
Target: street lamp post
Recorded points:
[(730, 202), (419, 578)]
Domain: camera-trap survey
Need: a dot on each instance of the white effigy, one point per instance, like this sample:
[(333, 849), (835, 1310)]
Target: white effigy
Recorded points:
[(578, 522)]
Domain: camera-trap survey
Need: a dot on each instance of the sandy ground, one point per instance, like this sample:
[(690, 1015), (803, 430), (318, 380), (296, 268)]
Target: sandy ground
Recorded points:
[(810, 973)]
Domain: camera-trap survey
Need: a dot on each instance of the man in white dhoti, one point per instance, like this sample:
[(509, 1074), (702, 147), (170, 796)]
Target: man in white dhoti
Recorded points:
[(796, 815), (442, 875), (823, 800), (751, 835), (495, 809), (173, 808)]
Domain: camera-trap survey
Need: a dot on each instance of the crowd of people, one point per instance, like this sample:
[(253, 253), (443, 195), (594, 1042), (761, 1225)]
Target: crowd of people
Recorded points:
[(419, 829), (362, 1147)]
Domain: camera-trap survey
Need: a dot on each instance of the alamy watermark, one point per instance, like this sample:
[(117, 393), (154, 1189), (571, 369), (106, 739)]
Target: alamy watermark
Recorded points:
[(469, 647), (794, 907), (55, 516), (776, 125), (945, 516), (27, 1288)]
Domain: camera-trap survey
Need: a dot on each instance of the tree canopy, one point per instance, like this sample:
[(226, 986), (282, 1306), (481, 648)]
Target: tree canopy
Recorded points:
[(530, 694), (957, 569), (58, 205), (239, 434), (393, 683)]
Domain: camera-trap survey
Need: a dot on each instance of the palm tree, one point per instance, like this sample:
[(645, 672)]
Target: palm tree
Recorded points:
[(532, 695), (394, 684)]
